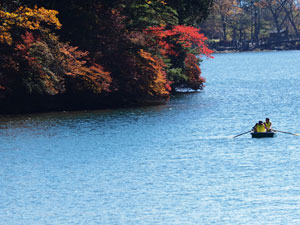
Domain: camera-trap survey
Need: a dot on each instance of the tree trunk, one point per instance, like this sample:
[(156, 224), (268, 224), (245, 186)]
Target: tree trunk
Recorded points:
[(257, 25), (224, 28), (290, 18)]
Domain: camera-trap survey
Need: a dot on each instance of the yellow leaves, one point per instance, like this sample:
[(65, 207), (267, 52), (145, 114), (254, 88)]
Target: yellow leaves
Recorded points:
[(6, 37), (26, 18)]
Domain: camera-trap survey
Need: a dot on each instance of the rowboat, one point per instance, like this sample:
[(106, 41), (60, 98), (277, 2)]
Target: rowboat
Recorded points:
[(262, 134)]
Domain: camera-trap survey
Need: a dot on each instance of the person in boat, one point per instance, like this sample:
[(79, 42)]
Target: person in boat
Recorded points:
[(268, 125), (254, 128), (260, 127)]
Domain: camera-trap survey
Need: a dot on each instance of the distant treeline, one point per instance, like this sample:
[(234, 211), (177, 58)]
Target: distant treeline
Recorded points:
[(253, 24), (85, 54)]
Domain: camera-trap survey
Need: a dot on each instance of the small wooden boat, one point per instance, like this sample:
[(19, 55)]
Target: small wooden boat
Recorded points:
[(262, 134)]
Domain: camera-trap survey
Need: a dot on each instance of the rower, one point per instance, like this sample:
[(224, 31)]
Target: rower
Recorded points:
[(260, 127), (268, 125), (254, 128)]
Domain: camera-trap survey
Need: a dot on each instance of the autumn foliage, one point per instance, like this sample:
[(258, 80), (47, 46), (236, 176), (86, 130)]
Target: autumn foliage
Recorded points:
[(123, 54), (36, 61), (193, 71), (180, 44), (186, 36), (153, 68), (75, 65), (25, 18)]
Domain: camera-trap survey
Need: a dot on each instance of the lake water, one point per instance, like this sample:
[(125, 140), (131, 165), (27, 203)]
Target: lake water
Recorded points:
[(169, 164)]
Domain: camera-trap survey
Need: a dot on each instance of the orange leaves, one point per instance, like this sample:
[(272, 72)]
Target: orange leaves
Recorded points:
[(154, 68), (91, 77), (73, 58), (154, 63), (25, 18)]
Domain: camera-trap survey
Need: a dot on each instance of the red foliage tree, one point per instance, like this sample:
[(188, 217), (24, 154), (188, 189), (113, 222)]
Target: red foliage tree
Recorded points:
[(180, 44), (186, 36)]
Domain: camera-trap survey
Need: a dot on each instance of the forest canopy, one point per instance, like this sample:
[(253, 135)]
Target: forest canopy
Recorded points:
[(95, 53)]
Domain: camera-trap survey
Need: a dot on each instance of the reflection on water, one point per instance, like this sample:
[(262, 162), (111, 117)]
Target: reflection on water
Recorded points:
[(171, 164)]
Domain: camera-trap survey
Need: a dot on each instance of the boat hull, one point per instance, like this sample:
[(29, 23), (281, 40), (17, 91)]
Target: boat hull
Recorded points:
[(262, 134)]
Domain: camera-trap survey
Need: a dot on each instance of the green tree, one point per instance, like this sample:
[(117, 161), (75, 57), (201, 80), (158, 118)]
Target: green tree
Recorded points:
[(191, 12)]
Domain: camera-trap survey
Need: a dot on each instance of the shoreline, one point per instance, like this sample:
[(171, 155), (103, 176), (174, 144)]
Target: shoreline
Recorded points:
[(255, 50)]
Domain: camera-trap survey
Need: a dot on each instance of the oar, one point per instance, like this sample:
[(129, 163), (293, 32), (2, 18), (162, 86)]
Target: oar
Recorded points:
[(242, 134), (286, 132)]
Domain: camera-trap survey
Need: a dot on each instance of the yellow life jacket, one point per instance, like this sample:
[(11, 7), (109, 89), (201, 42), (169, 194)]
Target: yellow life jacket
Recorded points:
[(260, 128), (268, 125)]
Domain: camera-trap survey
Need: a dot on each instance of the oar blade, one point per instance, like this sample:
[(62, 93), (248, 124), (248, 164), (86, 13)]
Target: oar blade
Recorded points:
[(286, 132)]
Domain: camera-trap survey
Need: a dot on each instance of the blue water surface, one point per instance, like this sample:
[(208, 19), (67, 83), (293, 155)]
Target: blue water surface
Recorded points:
[(170, 164)]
